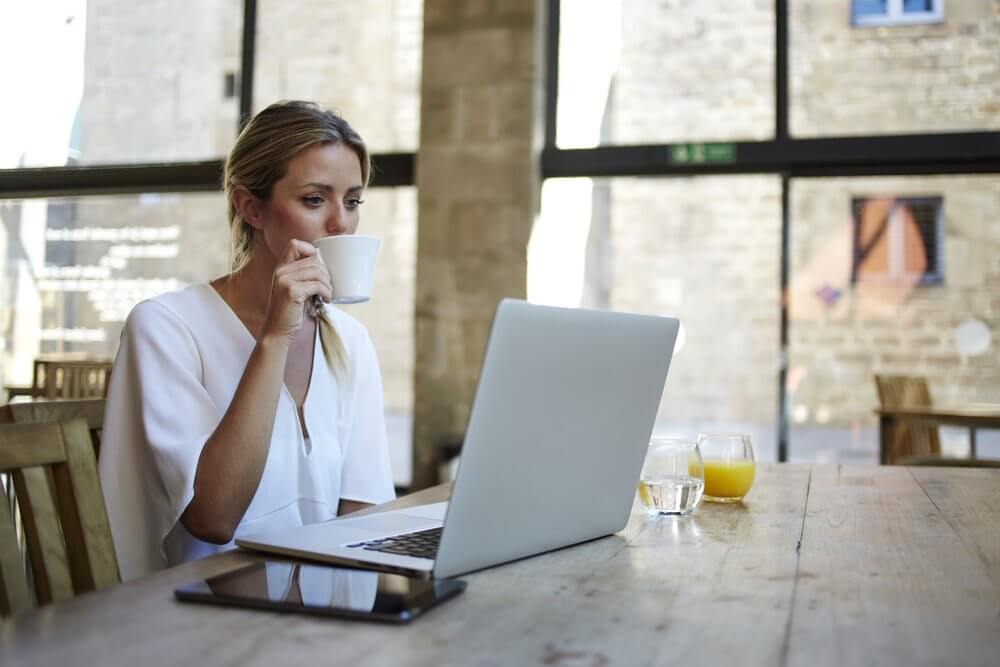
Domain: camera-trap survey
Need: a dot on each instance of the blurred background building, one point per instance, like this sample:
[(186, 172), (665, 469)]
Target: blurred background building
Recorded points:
[(794, 287)]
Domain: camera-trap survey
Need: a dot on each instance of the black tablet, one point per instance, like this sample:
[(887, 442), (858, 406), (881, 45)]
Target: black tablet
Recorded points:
[(324, 590)]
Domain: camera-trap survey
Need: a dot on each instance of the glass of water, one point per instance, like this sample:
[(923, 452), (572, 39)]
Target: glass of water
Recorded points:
[(672, 478)]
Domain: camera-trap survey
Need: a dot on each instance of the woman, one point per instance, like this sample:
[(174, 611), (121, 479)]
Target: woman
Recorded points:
[(240, 406)]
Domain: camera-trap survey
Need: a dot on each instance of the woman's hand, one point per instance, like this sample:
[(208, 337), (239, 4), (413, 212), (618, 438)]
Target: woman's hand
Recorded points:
[(300, 274)]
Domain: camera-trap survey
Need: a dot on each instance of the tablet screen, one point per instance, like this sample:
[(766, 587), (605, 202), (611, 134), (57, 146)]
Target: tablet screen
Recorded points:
[(321, 589)]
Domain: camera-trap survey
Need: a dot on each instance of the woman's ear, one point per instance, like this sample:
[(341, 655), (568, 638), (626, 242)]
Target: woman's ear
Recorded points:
[(250, 208)]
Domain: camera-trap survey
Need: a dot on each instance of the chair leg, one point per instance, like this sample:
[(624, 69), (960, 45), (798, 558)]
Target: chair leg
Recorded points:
[(885, 432)]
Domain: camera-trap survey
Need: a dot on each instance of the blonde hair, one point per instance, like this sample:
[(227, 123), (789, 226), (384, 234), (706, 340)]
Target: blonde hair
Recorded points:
[(260, 158)]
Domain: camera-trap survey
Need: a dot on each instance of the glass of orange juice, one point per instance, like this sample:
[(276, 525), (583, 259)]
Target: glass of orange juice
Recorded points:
[(729, 466)]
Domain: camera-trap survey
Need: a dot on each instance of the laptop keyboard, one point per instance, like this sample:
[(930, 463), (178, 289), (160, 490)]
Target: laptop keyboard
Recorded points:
[(422, 544)]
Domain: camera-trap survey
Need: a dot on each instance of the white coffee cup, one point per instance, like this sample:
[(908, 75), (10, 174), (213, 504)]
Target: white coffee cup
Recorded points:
[(350, 259)]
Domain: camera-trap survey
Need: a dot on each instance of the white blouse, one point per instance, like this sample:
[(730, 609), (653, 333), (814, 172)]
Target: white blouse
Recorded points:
[(181, 357)]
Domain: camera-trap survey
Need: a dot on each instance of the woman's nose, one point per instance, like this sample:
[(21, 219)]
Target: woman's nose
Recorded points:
[(337, 222)]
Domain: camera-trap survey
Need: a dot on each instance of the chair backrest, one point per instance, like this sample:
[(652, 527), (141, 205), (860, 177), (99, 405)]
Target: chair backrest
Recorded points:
[(908, 439), (38, 412), (62, 508), (71, 378)]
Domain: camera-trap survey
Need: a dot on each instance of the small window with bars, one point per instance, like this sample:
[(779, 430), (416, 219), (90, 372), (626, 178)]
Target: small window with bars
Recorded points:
[(896, 12), (898, 240)]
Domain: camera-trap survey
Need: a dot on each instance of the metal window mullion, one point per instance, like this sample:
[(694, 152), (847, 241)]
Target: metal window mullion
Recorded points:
[(783, 338), (247, 57), (552, 72)]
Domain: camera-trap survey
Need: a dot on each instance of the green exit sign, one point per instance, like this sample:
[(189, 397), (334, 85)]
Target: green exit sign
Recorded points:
[(703, 153)]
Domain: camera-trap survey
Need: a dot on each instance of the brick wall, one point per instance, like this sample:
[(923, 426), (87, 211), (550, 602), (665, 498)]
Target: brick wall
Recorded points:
[(708, 249), (359, 57), (153, 80), (705, 250), (836, 349), (694, 71), (898, 79)]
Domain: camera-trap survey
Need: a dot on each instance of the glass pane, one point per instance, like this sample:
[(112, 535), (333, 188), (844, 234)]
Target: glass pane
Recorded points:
[(73, 268), (850, 80), (391, 214), (860, 306), (113, 81), (637, 72), (706, 250), (360, 57), (870, 7), (918, 5)]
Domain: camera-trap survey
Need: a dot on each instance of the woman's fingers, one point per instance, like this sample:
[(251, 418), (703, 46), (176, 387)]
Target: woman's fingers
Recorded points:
[(298, 277), (304, 270), (297, 249), (305, 281)]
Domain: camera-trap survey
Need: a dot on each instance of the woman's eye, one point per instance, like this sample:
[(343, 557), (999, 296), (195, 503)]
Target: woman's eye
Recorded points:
[(313, 201), (353, 203)]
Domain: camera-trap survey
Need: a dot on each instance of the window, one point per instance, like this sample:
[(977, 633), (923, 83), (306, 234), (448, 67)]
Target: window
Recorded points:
[(897, 240), (229, 85), (705, 250), (638, 72), (841, 333), (105, 81), (360, 57), (845, 81), (896, 12), (75, 266)]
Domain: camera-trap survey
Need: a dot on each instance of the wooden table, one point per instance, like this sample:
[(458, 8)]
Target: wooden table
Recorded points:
[(823, 565), (972, 417)]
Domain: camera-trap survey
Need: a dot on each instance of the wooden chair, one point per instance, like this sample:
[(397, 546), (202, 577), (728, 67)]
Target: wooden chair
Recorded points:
[(65, 521), (910, 439), (66, 376), (948, 463), (39, 412)]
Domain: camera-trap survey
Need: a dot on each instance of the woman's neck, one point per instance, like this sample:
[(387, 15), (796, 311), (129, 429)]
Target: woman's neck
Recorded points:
[(248, 290)]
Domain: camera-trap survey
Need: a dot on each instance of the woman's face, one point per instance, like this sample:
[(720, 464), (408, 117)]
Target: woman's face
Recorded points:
[(319, 196)]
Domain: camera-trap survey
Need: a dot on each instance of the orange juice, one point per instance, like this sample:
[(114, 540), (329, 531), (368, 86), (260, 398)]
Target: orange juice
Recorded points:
[(728, 479)]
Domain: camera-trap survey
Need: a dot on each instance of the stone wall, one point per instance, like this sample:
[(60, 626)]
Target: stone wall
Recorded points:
[(898, 79), (693, 71), (838, 345), (707, 251), (361, 57), (478, 181), (153, 80)]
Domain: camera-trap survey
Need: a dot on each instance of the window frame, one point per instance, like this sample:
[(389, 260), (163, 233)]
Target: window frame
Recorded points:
[(389, 169), (896, 15), (788, 157)]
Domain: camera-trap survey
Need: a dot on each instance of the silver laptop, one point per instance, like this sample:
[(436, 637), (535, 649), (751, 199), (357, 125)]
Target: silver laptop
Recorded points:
[(556, 438)]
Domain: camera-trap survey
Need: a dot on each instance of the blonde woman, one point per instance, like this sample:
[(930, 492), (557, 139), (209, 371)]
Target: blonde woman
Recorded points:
[(238, 406)]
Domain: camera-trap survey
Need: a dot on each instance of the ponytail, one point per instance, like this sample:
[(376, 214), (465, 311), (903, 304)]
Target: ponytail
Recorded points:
[(333, 347)]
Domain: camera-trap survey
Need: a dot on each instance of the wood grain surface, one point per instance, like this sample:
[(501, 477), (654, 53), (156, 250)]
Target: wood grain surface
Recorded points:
[(821, 565)]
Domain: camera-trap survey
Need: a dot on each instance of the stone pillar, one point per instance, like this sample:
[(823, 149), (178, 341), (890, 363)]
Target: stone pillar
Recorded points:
[(478, 186)]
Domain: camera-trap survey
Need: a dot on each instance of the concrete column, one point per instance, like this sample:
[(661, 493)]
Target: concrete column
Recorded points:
[(478, 188)]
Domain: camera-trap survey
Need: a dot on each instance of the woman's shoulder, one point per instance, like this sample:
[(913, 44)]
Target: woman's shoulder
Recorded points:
[(184, 306)]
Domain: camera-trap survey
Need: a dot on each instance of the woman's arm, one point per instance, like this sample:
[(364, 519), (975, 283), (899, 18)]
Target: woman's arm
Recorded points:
[(348, 506), (232, 461)]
